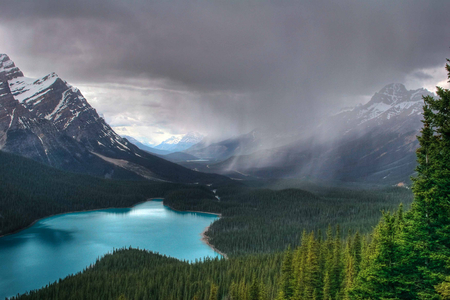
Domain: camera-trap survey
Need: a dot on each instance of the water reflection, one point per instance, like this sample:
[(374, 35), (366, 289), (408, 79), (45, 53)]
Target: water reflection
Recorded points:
[(58, 246)]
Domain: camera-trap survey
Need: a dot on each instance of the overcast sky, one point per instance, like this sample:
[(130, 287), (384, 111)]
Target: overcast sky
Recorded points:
[(158, 68)]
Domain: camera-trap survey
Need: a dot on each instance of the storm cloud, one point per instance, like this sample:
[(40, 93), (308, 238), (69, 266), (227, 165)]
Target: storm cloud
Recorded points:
[(226, 67)]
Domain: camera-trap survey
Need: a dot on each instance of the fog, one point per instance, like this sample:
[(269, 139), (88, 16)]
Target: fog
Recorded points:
[(158, 68)]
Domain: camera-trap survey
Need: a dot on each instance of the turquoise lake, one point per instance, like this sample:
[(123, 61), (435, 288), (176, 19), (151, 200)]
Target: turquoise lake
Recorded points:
[(65, 244)]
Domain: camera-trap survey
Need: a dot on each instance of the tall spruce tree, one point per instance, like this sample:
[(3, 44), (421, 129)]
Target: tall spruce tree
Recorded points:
[(409, 256), (381, 277), (427, 225), (337, 266), (287, 277), (313, 282)]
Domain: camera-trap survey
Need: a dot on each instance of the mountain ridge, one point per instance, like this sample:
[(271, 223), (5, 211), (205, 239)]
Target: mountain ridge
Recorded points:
[(50, 121), (374, 142), (178, 144)]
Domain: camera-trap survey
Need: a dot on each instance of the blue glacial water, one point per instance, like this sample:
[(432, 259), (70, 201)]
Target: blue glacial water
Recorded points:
[(65, 244)]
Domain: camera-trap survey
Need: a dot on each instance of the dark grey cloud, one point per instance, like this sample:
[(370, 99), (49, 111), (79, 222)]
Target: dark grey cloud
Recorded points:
[(229, 65), (422, 75)]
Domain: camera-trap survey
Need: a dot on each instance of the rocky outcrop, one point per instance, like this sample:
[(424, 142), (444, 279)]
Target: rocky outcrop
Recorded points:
[(50, 121)]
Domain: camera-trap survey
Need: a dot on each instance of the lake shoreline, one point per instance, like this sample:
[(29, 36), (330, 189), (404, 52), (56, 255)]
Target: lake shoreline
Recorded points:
[(89, 234), (192, 211), (205, 238), (71, 212)]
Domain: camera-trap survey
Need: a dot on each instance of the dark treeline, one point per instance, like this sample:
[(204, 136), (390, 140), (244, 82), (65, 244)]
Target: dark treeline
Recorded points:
[(30, 190), (263, 220), (138, 274)]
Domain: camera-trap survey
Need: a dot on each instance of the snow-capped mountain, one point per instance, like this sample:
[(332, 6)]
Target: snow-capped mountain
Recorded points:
[(144, 147), (50, 121), (392, 104), (177, 144), (375, 142)]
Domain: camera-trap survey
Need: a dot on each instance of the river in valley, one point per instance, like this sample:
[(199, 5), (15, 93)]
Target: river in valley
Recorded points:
[(60, 245)]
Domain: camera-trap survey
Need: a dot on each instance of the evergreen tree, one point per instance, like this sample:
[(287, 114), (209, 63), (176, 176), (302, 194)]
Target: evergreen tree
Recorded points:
[(409, 256), (382, 278), (336, 267), (287, 278), (427, 225), (356, 251), (234, 291), (254, 292), (326, 287), (350, 269), (443, 289), (312, 269), (214, 292)]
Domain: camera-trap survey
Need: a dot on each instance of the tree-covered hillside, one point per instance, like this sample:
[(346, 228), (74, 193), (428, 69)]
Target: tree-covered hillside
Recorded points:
[(30, 190), (138, 274), (264, 220)]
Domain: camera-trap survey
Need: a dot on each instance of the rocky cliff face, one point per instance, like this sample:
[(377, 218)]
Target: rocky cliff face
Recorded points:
[(50, 121), (393, 107)]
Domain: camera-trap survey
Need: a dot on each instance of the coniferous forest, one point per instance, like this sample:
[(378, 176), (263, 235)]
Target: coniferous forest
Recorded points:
[(294, 244)]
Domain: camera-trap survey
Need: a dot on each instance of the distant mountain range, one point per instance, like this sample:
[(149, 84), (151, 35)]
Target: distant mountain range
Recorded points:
[(50, 121), (374, 142), (145, 147), (167, 155), (176, 144)]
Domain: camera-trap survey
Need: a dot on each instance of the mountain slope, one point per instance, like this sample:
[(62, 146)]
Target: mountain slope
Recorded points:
[(50, 121), (374, 142), (144, 147), (25, 194), (244, 144), (176, 144)]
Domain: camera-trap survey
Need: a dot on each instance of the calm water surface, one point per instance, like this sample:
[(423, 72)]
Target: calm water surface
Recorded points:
[(61, 245)]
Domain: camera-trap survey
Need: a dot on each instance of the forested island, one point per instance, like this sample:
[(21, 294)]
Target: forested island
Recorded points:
[(310, 243)]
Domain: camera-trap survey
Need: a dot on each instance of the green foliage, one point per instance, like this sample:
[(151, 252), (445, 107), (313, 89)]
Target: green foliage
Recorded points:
[(443, 289), (263, 220), (287, 276), (139, 274), (427, 231), (382, 278), (30, 190), (409, 256), (320, 268)]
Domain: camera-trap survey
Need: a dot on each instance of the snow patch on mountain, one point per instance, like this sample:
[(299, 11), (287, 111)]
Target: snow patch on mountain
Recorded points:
[(176, 144), (391, 101), (8, 69), (29, 90), (171, 141)]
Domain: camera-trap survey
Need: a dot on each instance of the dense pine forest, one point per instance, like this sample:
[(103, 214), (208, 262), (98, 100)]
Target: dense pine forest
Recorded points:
[(333, 252), (138, 274), (263, 220), (30, 190)]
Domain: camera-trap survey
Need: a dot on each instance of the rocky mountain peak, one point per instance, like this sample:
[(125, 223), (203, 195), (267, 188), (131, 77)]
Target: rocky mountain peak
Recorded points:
[(8, 69), (390, 94), (192, 137)]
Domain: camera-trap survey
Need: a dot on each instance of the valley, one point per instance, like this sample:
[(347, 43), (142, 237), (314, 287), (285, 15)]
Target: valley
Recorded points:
[(269, 197), (217, 151)]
